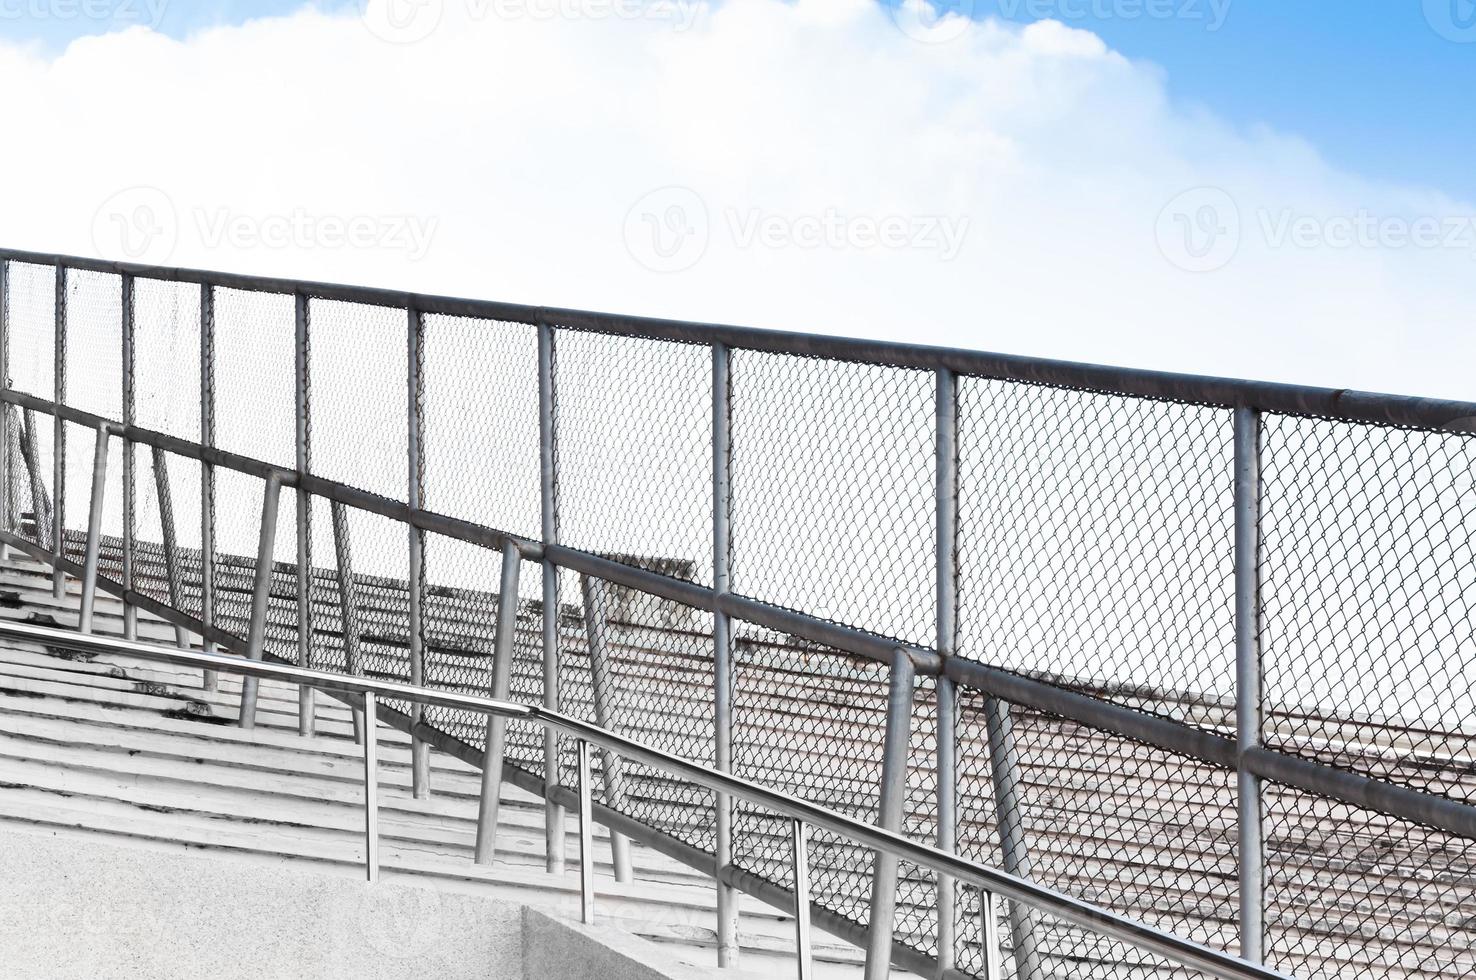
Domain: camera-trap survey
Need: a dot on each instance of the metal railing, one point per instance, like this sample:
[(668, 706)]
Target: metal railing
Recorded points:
[(1222, 598), (990, 882)]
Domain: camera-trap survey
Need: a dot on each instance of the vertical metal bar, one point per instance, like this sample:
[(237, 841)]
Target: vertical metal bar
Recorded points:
[(548, 486), (306, 697), (989, 936), (59, 439), (130, 503), (348, 603), (419, 748), (7, 474), (40, 504), (586, 841), (607, 711), (946, 543), (892, 797), (722, 642), (94, 530), (261, 592), (502, 663), (371, 788), (171, 547), (804, 948), (207, 474), (1004, 770), (1248, 675)]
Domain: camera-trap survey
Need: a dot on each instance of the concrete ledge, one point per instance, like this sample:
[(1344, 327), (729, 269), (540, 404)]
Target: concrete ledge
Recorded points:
[(79, 907)]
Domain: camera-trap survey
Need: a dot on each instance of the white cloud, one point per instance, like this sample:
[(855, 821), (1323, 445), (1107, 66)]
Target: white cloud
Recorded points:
[(523, 142)]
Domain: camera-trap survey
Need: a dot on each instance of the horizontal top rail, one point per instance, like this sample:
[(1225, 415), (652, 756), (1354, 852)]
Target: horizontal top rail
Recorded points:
[(1338, 403), (996, 882)]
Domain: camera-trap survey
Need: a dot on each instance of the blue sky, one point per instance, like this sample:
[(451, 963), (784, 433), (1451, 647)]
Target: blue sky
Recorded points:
[(1375, 84)]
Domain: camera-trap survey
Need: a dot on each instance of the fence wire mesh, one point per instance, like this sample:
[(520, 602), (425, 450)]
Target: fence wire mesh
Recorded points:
[(1095, 553)]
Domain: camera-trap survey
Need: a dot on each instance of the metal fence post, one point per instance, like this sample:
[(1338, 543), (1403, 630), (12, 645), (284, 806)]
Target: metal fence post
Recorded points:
[(946, 543), (1248, 676), (722, 637), (800, 852), (989, 936), (502, 663), (548, 480), (261, 593), (40, 503), (171, 545), (59, 440), (371, 788), (890, 805), (130, 503), (1004, 769), (207, 475), (419, 748), (586, 838), (306, 697), (94, 530), (7, 459), (607, 712), (348, 603)]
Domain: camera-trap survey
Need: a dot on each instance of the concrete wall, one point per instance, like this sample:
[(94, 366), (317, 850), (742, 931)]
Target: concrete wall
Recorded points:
[(77, 906)]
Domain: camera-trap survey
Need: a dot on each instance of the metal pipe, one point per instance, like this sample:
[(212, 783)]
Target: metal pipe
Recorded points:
[(946, 559), (549, 500), (989, 936), (94, 529), (586, 842), (40, 504), (1334, 403), (502, 664), (1069, 910), (306, 715), (207, 476), (171, 550), (371, 789), (130, 492), (722, 640), (1248, 677), (803, 947), (59, 437), (7, 476), (261, 592), (1004, 771), (607, 709), (891, 800), (415, 434), (348, 603)]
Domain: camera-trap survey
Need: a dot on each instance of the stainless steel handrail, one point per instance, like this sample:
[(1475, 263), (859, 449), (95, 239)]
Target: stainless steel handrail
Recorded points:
[(992, 883)]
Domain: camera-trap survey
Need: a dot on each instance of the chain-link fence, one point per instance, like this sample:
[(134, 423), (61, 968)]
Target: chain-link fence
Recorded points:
[(1201, 653)]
